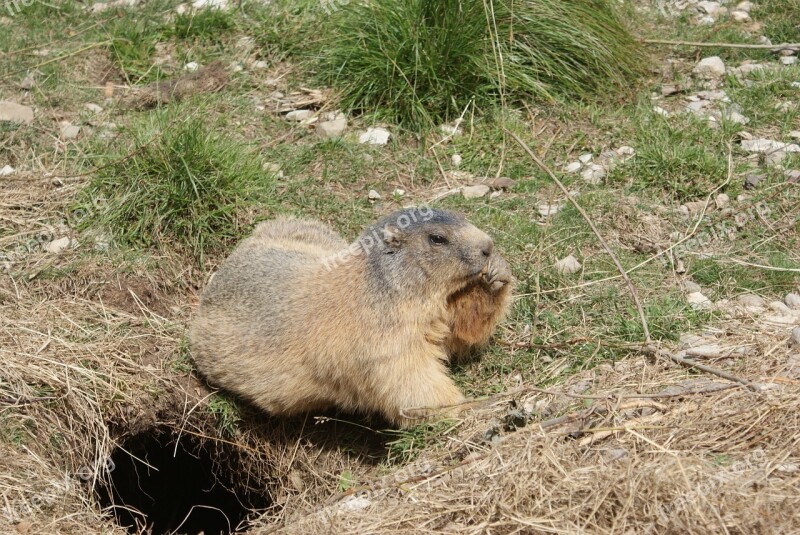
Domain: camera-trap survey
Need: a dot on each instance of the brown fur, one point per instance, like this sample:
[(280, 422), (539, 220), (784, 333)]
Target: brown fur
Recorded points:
[(296, 320)]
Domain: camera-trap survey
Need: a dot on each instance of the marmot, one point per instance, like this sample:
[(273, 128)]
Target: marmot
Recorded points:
[(297, 320)]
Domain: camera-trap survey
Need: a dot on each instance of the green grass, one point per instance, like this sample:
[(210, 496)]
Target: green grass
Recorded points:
[(178, 185), (420, 62), (211, 24), (226, 413)]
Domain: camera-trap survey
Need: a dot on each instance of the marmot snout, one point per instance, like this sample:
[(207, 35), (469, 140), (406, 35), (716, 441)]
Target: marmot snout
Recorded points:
[(298, 320)]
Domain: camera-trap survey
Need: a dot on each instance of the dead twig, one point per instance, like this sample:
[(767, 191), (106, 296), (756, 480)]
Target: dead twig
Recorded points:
[(585, 216), (721, 45), (655, 351)]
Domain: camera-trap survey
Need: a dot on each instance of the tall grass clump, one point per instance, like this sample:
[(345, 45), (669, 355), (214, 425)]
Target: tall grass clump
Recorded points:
[(181, 187), (423, 61)]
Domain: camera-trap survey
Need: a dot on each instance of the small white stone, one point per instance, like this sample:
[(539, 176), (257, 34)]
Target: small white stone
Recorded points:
[(722, 200), (709, 8), (7, 170), (450, 130), (792, 301), (795, 134), (546, 209), (794, 339), (593, 174), (94, 108), (660, 111), (399, 192), (332, 129), (568, 265), (740, 16), (692, 287), (475, 192), (744, 6), (456, 160), (69, 131), (260, 65), (698, 300), (768, 145), (586, 157), (15, 113), (573, 167), (751, 301), (706, 20), (56, 246), (375, 136), (297, 116), (780, 307), (788, 60), (710, 67), (192, 66), (373, 195), (626, 152)]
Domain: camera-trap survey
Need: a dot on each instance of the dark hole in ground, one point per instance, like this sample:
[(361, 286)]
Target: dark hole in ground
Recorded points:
[(192, 488)]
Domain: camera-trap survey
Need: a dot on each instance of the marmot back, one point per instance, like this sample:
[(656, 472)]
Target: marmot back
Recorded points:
[(297, 320)]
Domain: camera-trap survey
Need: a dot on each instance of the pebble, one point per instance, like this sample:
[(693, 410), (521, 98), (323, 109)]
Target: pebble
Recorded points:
[(780, 307), (745, 6), (456, 160), (660, 111), (751, 182), (475, 192), (740, 16), (795, 134), (373, 195), (70, 131), (788, 60), (192, 66), (794, 339), (399, 192), (56, 246), (711, 67), (692, 287), (503, 183), (585, 157), (722, 200), (568, 265), (546, 209), (297, 116), (792, 301), (27, 83), (593, 174), (698, 300), (751, 300), (7, 170), (260, 65), (768, 145), (332, 129), (695, 207), (94, 108), (709, 8), (792, 175), (375, 136), (573, 167), (15, 113)]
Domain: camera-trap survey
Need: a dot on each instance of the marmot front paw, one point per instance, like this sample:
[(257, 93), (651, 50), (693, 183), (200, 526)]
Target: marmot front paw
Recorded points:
[(497, 274)]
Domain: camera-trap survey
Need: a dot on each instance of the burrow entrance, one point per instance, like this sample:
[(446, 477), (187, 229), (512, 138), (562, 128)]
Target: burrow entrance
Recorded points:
[(162, 485)]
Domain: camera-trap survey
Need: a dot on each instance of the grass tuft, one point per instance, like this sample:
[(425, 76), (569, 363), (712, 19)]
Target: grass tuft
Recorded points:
[(182, 185), (422, 62)]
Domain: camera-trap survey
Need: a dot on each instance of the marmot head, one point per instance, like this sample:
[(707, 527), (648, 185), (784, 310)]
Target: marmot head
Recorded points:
[(425, 249)]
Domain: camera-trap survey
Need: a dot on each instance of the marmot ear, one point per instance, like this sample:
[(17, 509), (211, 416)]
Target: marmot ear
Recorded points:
[(391, 237)]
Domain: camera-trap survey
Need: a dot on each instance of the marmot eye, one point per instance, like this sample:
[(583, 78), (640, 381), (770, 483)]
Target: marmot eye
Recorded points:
[(438, 239)]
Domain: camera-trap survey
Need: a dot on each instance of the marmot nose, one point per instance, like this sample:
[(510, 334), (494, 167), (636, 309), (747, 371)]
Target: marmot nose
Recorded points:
[(487, 248)]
